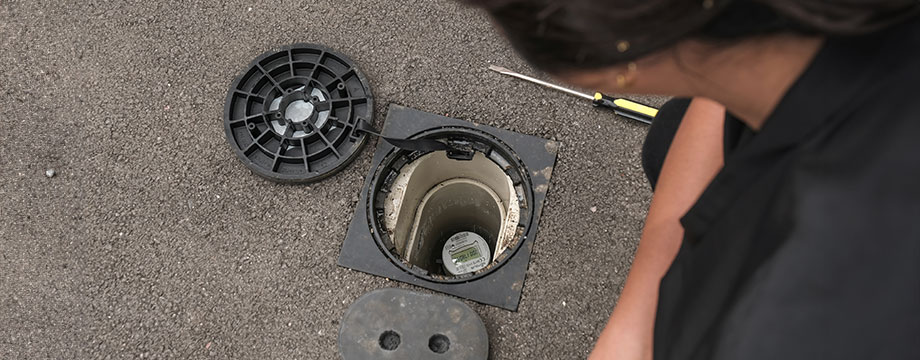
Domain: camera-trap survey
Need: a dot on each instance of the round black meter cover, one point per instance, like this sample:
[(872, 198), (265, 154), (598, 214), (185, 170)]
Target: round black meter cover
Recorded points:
[(291, 115)]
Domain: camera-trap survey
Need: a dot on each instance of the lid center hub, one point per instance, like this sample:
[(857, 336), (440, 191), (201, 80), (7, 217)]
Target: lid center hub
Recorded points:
[(299, 111)]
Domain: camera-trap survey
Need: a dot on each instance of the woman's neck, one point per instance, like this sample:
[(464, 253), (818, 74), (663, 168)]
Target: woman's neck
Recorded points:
[(751, 77)]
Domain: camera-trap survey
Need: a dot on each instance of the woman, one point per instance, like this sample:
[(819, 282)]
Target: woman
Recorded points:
[(785, 222)]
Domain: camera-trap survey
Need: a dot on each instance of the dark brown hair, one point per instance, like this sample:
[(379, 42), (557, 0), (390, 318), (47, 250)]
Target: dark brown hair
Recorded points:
[(559, 35)]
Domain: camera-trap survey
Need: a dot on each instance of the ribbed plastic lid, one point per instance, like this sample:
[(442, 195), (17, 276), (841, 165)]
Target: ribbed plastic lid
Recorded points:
[(291, 115)]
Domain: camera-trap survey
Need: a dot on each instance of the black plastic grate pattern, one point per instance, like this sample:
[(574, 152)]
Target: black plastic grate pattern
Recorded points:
[(291, 115)]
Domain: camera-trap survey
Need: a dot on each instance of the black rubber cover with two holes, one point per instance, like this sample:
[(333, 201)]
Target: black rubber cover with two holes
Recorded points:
[(401, 324), (291, 115)]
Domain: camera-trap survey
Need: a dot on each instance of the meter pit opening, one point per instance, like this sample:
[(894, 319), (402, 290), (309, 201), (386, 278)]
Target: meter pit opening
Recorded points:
[(451, 218)]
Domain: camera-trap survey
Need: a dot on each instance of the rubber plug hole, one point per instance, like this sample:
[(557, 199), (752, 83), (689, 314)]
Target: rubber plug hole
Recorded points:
[(439, 343), (389, 340)]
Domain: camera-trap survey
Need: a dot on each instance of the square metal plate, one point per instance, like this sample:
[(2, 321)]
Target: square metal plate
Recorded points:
[(502, 287)]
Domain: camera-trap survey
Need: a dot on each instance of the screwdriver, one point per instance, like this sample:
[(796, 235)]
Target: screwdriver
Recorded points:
[(623, 107)]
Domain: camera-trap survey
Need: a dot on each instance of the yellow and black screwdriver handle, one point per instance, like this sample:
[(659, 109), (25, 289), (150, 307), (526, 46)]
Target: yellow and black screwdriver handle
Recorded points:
[(626, 108)]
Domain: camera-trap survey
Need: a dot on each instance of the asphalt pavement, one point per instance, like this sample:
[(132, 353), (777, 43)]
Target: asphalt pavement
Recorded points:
[(151, 240)]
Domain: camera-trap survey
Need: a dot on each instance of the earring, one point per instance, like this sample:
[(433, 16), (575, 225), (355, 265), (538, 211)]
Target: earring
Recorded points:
[(626, 80)]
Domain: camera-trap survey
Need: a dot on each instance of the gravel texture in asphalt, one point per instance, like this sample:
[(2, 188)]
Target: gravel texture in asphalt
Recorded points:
[(128, 228)]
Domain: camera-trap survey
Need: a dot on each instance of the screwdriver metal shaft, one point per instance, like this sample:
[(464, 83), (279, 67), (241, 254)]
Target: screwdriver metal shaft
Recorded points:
[(534, 80), (623, 107)]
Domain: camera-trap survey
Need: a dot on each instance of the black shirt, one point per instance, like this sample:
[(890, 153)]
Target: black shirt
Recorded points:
[(806, 245)]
